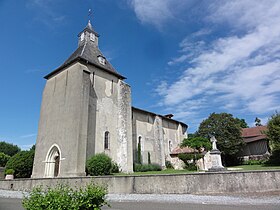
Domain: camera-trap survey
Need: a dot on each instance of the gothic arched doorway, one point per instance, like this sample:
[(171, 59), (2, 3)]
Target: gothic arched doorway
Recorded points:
[(52, 162)]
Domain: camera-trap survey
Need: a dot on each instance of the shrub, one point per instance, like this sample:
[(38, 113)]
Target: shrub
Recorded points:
[(189, 160), (3, 159), (115, 168), (99, 164), (253, 162), (146, 167), (92, 197), (22, 163), (9, 171), (9, 149), (190, 167), (168, 164)]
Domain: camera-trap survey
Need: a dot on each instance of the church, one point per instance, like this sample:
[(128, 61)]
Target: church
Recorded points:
[(86, 109)]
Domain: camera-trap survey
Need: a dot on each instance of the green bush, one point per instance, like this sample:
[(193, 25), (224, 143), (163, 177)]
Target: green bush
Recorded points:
[(3, 159), (253, 162), (22, 163), (115, 168), (168, 164), (9, 171), (190, 166), (189, 160), (99, 164), (63, 197), (146, 167)]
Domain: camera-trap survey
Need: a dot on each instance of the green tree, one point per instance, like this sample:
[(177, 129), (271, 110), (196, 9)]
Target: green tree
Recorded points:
[(242, 123), (3, 159), (139, 156), (22, 163), (273, 134), (196, 143), (258, 122), (227, 131), (9, 149)]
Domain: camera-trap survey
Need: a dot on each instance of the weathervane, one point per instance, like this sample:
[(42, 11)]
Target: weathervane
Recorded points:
[(90, 14)]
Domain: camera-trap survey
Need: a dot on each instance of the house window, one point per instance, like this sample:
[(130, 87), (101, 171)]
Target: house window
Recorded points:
[(101, 60), (106, 140)]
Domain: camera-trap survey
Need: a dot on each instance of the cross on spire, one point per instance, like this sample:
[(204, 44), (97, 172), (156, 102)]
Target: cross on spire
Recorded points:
[(90, 15)]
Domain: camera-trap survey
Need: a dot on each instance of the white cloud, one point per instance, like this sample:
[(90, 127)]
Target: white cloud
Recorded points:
[(28, 135), (157, 12), (239, 70)]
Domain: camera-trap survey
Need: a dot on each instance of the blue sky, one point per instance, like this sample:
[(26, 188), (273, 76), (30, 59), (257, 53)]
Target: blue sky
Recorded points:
[(186, 57)]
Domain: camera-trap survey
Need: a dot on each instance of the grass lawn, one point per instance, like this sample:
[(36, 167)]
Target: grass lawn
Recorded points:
[(255, 167), (167, 171), (172, 171)]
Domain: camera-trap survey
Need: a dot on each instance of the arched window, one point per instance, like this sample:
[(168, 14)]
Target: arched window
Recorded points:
[(106, 140), (53, 162), (170, 145)]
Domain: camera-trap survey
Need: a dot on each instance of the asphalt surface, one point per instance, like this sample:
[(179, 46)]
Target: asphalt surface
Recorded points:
[(15, 204)]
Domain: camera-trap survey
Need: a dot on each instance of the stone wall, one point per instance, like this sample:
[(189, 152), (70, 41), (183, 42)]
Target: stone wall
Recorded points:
[(198, 183)]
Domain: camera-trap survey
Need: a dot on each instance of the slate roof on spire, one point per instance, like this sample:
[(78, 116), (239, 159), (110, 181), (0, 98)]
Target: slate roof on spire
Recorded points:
[(90, 29), (87, 53)]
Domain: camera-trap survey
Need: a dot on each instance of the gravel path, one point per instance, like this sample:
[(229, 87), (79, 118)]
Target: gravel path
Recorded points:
[(179, 198)]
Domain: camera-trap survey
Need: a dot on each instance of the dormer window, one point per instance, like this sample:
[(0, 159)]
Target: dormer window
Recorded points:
[(82, 37), (101, 60), (92, 37)]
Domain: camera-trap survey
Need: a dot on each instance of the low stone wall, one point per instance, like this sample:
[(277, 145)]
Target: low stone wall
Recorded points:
[(199, 183)]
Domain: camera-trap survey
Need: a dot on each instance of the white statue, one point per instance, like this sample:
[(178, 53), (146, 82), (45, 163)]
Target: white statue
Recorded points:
[(213, 140)]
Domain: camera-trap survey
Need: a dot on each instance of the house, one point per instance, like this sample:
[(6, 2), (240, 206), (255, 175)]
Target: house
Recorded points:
[(256, 143)]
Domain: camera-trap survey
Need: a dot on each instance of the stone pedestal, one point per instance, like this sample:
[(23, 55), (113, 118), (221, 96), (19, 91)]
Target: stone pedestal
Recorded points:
[(216, 161), (215, 155)]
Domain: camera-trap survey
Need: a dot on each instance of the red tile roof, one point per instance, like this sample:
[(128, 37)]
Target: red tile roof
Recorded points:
[(254, 134), (179, 150)]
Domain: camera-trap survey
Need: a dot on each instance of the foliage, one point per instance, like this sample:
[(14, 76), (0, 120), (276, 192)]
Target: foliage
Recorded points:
[(242, 123), (3, 159), (146, 167), (149, 158), (196, 143), (258, 122), (189, 160), (254, 162), (139, 156), (273, 134), (168, 164), (99, 164), (22, 163), (63, 197), (190, 167), (9, 171), (9, 149), (115, 168), (189, 157), (228, 134)]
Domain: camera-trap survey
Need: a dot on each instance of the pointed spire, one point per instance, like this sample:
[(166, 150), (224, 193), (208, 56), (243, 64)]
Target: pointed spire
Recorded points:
[(89, 26)]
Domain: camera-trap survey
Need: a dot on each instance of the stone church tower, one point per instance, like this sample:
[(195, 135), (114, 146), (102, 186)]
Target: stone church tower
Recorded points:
[(86, 109)]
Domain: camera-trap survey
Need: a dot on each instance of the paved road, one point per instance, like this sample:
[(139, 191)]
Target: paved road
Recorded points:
[(15, 204)]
